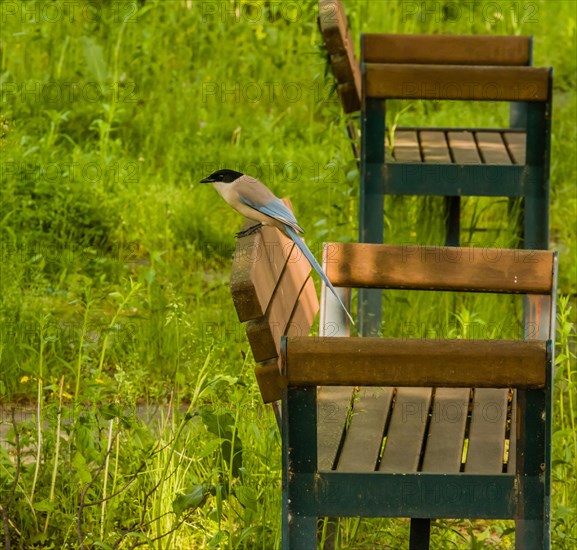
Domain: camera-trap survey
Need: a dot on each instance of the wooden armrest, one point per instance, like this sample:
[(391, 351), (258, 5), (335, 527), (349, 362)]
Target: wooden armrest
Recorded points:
[(338, 361)]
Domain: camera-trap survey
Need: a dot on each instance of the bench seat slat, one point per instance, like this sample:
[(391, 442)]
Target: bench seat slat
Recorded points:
[(487, 432), (406, 146), (492, 148), (463, 147), (434, 145), (446, 432), (404, 441), (333, 404), (516, 142), (364, 437)]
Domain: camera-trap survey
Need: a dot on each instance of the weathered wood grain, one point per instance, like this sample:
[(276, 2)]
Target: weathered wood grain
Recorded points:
[(456, 82), (323, 361), (439, 268), (447, 49)]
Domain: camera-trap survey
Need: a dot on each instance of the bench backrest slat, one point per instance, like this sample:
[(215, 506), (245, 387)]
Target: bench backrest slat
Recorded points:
[(264, 333), (254, 275), (272, 289), (456, 82), (338, 41), (446, 49), (495, 270)]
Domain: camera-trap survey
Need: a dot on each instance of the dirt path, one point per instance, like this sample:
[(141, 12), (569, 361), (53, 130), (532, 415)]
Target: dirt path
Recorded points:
[(153, 415)]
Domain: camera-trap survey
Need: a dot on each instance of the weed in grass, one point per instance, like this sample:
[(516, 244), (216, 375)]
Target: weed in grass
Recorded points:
[(564, 432)]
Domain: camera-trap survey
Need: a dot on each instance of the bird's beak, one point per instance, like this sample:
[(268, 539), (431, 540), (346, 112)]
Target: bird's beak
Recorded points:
[(207, 180)]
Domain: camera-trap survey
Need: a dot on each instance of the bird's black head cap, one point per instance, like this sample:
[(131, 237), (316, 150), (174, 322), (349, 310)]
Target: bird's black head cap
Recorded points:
[(224, 176)]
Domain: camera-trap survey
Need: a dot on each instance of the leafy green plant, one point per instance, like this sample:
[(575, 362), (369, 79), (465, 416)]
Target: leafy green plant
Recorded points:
[(564, 433)]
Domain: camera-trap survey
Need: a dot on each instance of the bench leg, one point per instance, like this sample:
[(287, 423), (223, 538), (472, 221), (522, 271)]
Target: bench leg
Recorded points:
[(536, 223), (533, 465), (532, 534), (536, 203), (299, 532), (371, 206), (420, 534), (299, 455), (453, 225)]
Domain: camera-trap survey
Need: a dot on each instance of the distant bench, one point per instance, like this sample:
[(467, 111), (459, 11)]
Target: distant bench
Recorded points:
[(402, 427), (444, 161)]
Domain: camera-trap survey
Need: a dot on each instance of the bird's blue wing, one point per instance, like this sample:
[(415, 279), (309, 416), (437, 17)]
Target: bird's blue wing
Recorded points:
[(312, 260), (275, 209)]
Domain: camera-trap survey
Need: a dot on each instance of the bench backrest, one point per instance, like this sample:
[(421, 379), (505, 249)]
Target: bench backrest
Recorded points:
[(274, 294), (439, 268), (447, 49), (457, 82), (338, 40), (480, 363), (475, 67), (492, 270)]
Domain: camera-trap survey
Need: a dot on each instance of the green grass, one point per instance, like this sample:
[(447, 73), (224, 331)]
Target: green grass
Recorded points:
[(115, 261)]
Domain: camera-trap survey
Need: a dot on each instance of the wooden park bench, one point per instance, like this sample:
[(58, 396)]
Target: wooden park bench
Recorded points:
[(510, 162), (402, 427), (450, 162)]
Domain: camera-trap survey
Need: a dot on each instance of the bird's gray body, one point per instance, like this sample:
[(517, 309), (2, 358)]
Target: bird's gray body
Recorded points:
[(247, 194), (256, 201)]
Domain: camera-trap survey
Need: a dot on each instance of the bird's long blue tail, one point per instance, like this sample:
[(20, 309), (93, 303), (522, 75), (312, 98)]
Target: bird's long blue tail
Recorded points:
[(312, 260)]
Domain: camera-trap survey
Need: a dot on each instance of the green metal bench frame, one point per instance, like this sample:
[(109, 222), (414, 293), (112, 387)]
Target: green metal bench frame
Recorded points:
[(523, 494)]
